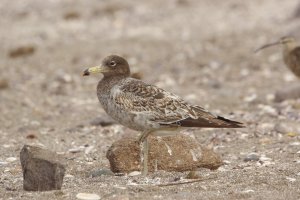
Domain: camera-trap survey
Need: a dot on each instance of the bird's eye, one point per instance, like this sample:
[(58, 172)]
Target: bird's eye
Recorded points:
[(112, 63)]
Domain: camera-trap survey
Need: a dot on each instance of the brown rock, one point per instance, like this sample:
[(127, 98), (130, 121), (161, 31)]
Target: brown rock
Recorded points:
[(170, 153), (42, 169), (3, 84), (22, 51), (71, 15)]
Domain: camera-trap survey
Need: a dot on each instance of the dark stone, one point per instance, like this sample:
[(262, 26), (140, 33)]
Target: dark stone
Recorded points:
[(42, 169), (252, 157), (102, 121), (170, 153)]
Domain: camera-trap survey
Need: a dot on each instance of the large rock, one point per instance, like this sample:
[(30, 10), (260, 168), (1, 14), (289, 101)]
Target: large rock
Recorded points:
[(170, 153), (42, 169)]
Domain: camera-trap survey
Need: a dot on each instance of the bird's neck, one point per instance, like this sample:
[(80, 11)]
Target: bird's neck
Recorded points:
[(107, 82)]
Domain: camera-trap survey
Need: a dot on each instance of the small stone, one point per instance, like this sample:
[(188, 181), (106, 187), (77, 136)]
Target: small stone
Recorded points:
[(193, 175), (265, 127), (3, 163), (264, 158), (134, 173), (75, 150), (88, 149), (101, 172), (248, 191), (102, 121), (87, 196), (71, 15), (69, 176), (294, 144), (267, 109), (11, 159), (250, 98), (42, 169), (252, 157), (169, 153), (22, 51), (287, 127), (290, 179), (3, 84), (291, 92), (31, 136)]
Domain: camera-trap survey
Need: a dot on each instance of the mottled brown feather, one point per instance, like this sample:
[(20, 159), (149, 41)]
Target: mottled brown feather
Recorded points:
[(166, 108)]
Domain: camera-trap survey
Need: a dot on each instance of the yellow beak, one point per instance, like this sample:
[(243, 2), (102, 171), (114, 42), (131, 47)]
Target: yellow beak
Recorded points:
[(94, 70)]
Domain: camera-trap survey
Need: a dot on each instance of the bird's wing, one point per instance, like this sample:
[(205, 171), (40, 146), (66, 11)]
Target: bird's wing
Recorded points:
[(163, 107)]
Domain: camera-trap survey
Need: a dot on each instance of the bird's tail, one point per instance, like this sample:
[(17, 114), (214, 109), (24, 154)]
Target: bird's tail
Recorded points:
[(209, 120), (217, 122)]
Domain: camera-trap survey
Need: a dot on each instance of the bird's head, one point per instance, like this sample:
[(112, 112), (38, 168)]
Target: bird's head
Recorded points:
[(288, 41), (112, 65)]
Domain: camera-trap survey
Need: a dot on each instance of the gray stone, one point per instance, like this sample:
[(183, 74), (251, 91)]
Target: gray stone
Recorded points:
[(169, 153), (101, 172), (42, 169), (291, 92), (102, 121), (252, 157)]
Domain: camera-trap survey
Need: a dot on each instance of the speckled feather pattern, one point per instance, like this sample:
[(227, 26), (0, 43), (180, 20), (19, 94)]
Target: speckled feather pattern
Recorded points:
[(142, 106)]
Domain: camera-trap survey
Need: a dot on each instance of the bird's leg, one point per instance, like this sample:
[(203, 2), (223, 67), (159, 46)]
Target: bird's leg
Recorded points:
[(143, 140)]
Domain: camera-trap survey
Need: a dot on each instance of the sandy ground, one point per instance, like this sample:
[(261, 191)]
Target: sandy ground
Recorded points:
[(200, 50)]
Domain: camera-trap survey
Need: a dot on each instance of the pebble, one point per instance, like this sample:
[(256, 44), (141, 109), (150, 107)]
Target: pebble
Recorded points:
[(247, 191), (3, 84), (290, 179), (250, 98), (3, 163), (288, 128), (267, 109), (88, 149), (264, 158), (294, 143), (75, 150), (265, 127), (100, 172), (252, 157), (69, 176), (87, 196), (193, 175), (22, 51), (134, 173), (292, 92), (11, 159)]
